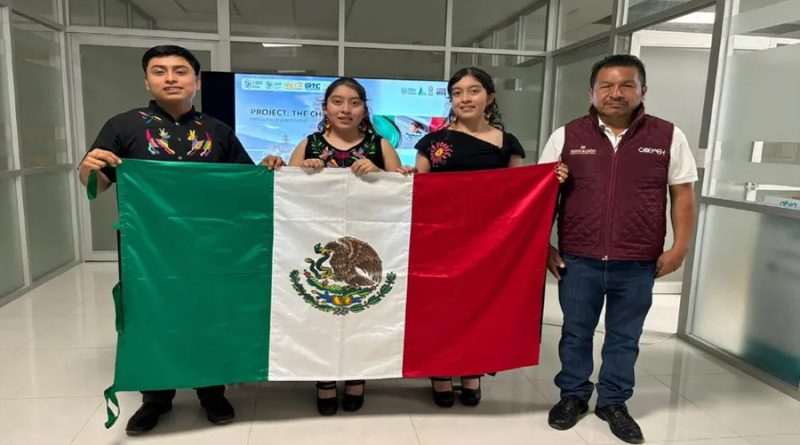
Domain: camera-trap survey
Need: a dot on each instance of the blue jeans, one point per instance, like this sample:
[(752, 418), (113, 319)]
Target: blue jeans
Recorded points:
[(627, 288)]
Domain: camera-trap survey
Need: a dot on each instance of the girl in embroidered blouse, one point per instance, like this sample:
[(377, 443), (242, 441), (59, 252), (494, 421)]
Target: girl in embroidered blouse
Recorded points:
[(475, 139), (344, 139)]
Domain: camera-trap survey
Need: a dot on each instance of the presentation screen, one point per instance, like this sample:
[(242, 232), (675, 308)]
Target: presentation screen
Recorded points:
[(271, 114)]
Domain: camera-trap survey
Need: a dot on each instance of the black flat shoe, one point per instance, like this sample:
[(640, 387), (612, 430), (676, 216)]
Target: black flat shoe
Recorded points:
[(621, 423), (471, 397), (146, 417), (329, 406), (352, 402), (218, 410), (565, 414), (444, 399)]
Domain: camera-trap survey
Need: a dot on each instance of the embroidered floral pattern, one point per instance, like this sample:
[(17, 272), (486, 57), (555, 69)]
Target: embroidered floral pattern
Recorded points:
[(338, 158), (440, 152)]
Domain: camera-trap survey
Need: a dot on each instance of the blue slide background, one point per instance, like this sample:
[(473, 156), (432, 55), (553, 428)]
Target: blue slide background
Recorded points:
[(274, 113)]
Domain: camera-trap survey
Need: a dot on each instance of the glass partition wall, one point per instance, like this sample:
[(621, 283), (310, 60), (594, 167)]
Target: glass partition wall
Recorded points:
[(743, 297)]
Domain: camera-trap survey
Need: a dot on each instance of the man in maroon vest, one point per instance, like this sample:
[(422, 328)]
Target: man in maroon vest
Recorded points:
[(611, 229)]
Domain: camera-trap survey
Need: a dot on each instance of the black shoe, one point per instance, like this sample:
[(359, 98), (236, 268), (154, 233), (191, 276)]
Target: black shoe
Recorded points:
[(352, 402), (146, 417), (565, 414), (444, 399), (622, 424), (329, 406), (218, 410), (471, 397)]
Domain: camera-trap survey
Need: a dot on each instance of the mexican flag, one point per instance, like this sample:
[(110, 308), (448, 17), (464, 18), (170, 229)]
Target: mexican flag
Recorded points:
[(234, 273)]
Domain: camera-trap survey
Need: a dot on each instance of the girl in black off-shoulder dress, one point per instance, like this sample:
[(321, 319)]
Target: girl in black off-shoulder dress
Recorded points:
[(475, 140)]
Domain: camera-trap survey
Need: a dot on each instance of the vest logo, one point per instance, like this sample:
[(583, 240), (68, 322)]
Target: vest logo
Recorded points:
[(582, 151), (654, 151)]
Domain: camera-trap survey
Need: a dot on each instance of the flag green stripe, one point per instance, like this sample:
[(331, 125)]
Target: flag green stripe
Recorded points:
[(196, 265)]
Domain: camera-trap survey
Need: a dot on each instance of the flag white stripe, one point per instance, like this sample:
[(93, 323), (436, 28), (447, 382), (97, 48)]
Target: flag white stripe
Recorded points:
[(305, 342)]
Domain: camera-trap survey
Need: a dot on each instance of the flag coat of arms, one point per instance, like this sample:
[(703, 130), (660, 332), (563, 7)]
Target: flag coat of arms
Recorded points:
[(234, 273)]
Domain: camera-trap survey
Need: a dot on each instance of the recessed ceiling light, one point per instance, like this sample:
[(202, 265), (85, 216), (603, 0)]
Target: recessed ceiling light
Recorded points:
[(281, 45), (697, 18)]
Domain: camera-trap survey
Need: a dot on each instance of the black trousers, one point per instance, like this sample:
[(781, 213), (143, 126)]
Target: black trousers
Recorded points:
[(166, 395)]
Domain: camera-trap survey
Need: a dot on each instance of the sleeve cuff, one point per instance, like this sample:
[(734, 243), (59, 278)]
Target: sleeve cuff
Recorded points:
[(683, 180)]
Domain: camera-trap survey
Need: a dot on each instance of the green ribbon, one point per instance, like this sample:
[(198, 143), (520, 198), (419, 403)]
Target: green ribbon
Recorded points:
[(110, 394), (111, 399), (91, 185)]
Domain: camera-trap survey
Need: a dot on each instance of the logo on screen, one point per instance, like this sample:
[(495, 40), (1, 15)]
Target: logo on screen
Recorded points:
[(293, 86), (260, 85)]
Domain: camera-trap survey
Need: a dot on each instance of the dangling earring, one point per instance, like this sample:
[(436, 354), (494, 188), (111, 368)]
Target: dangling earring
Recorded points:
[(488, 115), (327, 124)]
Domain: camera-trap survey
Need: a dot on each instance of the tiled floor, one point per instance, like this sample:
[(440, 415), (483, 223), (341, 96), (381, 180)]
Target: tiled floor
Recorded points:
[(57, 355)]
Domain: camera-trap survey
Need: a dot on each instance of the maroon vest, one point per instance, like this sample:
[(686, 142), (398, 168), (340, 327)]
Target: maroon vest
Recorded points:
[(613, 205)]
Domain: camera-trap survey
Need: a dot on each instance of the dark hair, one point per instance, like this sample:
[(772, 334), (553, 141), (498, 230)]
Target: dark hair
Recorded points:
[(618, 60), (170, 50), (492, 110), (366, 123)]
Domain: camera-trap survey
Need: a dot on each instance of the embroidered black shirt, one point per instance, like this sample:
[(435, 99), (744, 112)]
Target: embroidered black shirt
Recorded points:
[(452, 151), (151, 133)]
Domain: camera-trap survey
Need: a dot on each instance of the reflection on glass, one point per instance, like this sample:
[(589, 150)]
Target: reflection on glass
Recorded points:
[(194, 15), (507, 36), (639, 9), (284, 59), (84, 12), (518, 81), (572, 83), (580, 19), (46, 9), (305, 19), (49, 221), (698, 22), (11, 277), (751, 5), (141, 21), (5, 110), (475, 24), (394, 64), (535, 24), (116, 13), (39, 94), (664, 54), (746, 301), (758, 107), (419, 22)]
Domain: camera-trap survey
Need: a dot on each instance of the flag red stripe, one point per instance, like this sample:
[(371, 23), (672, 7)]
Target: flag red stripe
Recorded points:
[(477, 259)]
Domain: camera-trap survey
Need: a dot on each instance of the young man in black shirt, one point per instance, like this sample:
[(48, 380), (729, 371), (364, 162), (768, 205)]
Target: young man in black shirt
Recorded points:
[(169, 129)]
